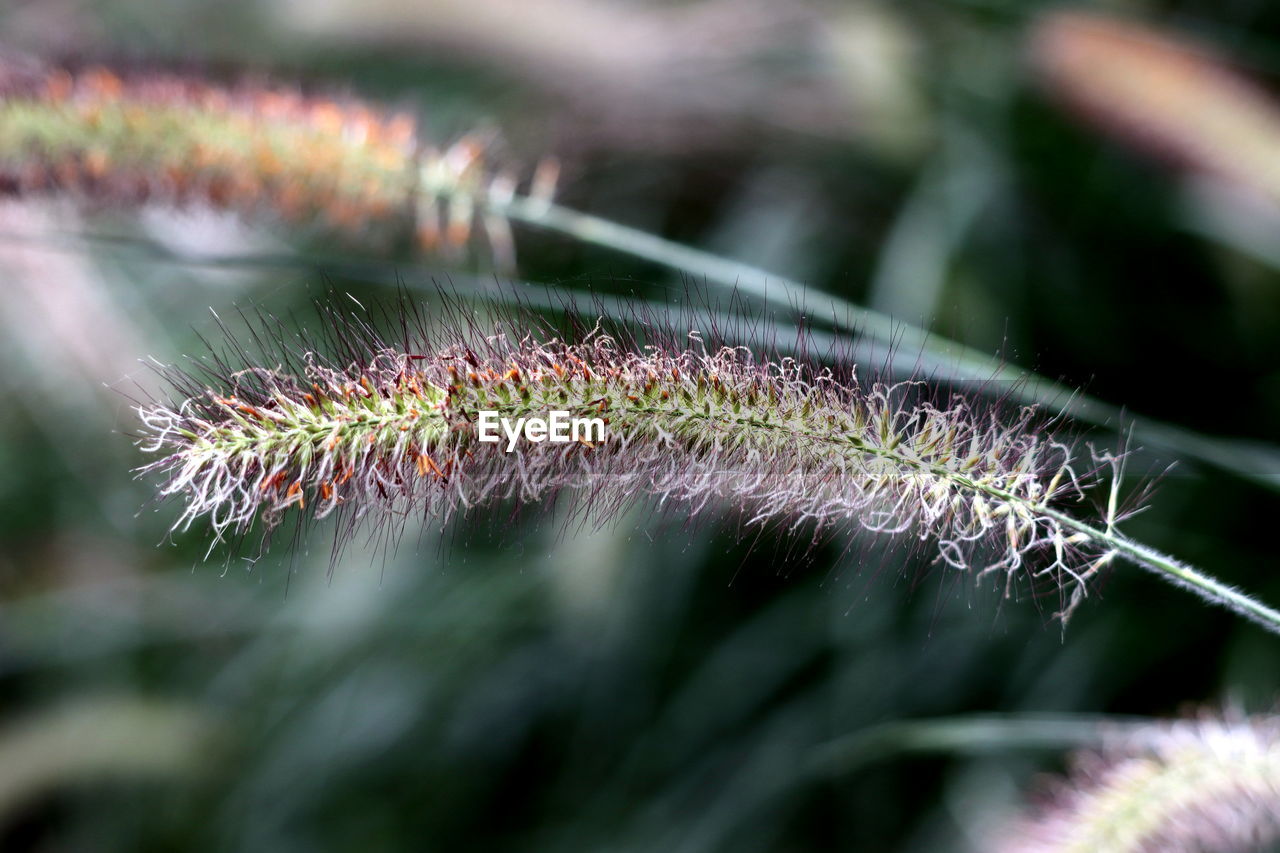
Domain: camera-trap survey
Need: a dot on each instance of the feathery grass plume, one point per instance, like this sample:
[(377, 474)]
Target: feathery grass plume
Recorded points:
[(1209, 785), (1170, 96), (111, 136), (376, 428)]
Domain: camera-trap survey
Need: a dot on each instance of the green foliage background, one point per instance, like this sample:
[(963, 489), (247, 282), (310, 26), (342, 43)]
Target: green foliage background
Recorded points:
[(647, 686)]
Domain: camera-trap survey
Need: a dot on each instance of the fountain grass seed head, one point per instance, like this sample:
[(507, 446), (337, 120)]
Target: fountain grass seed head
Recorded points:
[(118, 137), (350, 421), (1205, 785)]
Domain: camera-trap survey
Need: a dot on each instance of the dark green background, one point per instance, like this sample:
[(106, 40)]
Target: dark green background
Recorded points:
[(650, 685)]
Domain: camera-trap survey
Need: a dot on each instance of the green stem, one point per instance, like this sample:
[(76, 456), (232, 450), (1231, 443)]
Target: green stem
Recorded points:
[(1179, 573)]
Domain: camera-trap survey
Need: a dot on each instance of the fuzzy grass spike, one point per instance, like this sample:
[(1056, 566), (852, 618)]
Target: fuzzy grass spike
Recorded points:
[(378, 429), (1210, 785)]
